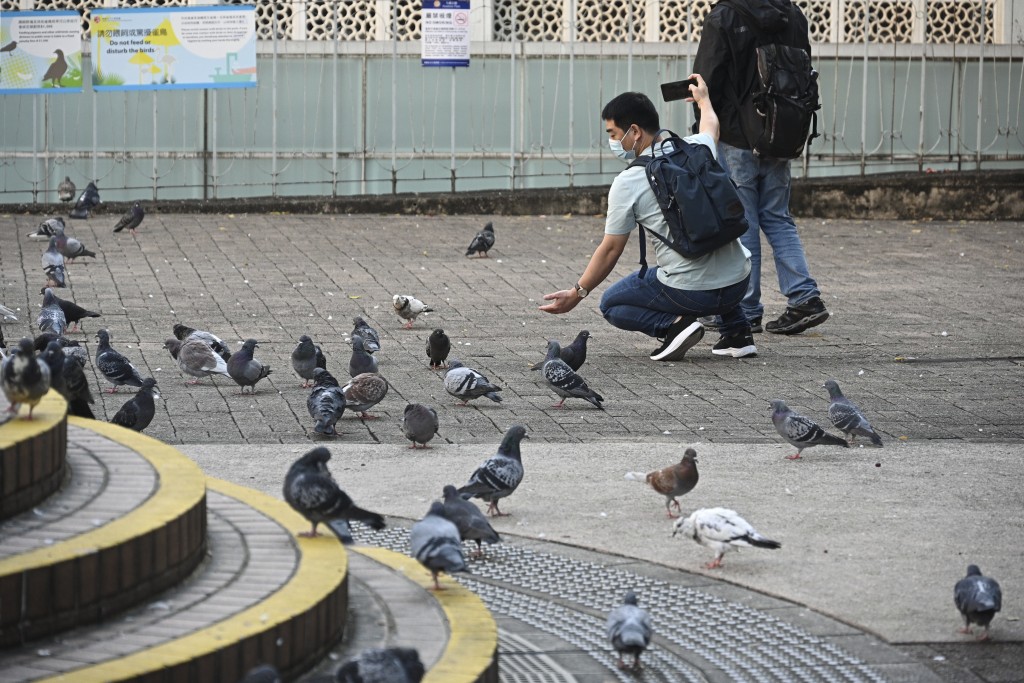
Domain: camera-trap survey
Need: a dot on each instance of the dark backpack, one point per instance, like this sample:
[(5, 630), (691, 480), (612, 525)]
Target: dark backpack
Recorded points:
[(696, 196)]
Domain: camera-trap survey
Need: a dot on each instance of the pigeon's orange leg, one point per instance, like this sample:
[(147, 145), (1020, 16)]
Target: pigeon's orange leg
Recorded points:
[(715, 563), (795, 456), (309, 534)]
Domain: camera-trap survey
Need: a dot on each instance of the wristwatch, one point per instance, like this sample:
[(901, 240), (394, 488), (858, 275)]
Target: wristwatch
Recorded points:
[(580, 292)]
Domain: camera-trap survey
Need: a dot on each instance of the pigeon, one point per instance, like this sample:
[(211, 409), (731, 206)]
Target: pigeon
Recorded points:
[(196, 358), (629, 630), (70, 248), (846, 416), (76, 386), (263, 673), (70, 347), (471, 523), (382, 665), (54, 357), (466, 383), (114, 366), (361, 361), (312, 492), (409, 308), (47, 229), (801, 431), (499, 475), (24, 378), (371, 340), (978, 598), (434, 542), (56, 276), (482, 242), (89, 199), (72, 311), (51, 315), (326, 403), (56, 70), (419, 424), (674, 480), (184, 333), (438, 348), (138, 411), (66, 190), (305, 359), (564, 380), (52, 256), (131, 219), (246, 370), (721, 530), (7, 314), (363, 392), (574, 354)]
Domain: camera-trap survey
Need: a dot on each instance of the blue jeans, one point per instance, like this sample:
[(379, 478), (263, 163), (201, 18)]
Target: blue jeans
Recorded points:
[(763, 186), (644, 304)]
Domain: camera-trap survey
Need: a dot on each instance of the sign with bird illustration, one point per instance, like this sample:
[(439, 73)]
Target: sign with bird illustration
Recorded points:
[(40, 52)]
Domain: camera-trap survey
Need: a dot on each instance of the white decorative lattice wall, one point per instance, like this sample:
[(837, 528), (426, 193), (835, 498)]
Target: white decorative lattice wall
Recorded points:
[(680, 21), (609, 21), (271, 15), (534, 20), (407, 18), (819, 19), (882, 21), (950, 21)]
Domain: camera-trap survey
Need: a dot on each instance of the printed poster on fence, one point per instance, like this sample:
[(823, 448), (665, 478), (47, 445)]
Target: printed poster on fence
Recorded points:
[(40, 52), (445, 33), (169, 48)]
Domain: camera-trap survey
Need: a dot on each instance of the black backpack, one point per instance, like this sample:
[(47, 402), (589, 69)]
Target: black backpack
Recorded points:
[(696, 196)]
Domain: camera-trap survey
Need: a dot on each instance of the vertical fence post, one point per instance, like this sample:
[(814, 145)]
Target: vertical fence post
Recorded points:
[(334, 106), (273, 105), (512, 101), (981, 84), (155, 129), (864, 92), (453, 131), (572, 91), (213, 140), (394, 97)]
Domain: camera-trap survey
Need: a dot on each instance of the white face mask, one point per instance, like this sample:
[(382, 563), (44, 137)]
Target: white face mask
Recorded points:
[(616, 147)]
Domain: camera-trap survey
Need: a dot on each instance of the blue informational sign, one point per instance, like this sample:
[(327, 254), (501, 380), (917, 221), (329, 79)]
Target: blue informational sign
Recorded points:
[(445, 33), (40, 52)]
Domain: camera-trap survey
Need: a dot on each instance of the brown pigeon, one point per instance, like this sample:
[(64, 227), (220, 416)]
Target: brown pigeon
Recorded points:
[(672, 481)]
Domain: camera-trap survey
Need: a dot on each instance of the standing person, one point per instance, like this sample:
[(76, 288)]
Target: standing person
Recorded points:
[(726, 58), (666, 301)]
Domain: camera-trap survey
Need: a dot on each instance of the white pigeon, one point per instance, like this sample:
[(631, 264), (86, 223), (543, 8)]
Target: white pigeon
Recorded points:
[(721, 530), (408, 308), (6, 313)]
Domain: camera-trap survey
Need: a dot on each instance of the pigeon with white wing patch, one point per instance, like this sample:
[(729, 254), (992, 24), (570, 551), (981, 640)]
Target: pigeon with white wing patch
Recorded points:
[(722, 530)]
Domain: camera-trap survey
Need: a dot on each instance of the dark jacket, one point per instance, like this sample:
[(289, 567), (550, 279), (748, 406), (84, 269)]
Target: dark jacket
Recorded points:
[(726, 60)]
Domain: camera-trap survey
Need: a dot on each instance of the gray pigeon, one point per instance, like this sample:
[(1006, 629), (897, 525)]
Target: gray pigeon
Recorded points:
[(978, 598), (438, 348), (51, 315), (574, 354), (66, 190), (70, 248), (371, 340), (137, 413), (89, 199), (466, 383), (78, 395), (131, 219), (72, 311), (23, 377), (184, 333), (262, 674), (482, 242), (500, 475), (364, 392), (382, 665), (361, 361), (245, 369), (312, 492), (326, 403), (434, 542), (196, 358), (419, 424), (846, 416), (629, 630), (47, 229), (114, 366), (564, 381), (56, 276), (472, 524), (56, 70), (409, 308), (52, 256), (304, 359), (801, 431)]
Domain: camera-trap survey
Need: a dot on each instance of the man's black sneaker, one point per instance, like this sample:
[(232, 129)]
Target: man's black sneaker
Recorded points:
[(796, 319), (755, 325), (737, 346), (681, 336)]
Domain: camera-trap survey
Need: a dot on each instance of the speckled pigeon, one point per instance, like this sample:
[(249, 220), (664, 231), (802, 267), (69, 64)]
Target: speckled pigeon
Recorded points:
[(137, 413), (846, 416), (564, 381), (51, 315), (466, 383), (419, 424), (801, 431), (66, 189), (56, 276), (574, 354), (312, 492), (978, 598), (472, 524), (326, 403), (47, 229), (363, 392), (434, 542), (23, 377), (113, 365), (70, 248), (629, 631), (482, 242), (72, 311), (674, 480), (500, 475), (89, 199), (721, 530), (52, 256), (246, 370)]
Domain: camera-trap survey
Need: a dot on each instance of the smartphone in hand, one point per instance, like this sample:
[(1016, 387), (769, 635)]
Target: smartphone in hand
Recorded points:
[(677, 90)]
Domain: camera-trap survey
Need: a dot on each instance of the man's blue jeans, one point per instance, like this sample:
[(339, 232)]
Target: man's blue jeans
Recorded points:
[(764, 187), (646, 305)]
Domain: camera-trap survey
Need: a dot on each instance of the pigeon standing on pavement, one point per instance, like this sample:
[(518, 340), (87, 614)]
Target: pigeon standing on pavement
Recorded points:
[(52, 256), (466, 383), (51, 315), (721, 530), (196, 358), (438, 348), (24, 378), (70, 248), (482, 242), (56, 70), (800, 431), (409, 308), (434, 542), (246, 370), (674, 480), (846, 416), (72, 311), (137, 413), (89, 199), (47, 229), (574, 354), (419, 424), (184, 333), (361, 361), (629, 630), (131, 219), (66, 190), (76, 384), (312, 492), (326, 403), (564, 381), (371, 339), (382, 665), (363, 392), (500, 475), (304, 359), (978, 598), (56, 276), (113, 365), (466, 516)]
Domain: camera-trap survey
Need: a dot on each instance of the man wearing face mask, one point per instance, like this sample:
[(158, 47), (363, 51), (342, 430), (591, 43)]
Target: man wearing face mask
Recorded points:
[(667, 301)]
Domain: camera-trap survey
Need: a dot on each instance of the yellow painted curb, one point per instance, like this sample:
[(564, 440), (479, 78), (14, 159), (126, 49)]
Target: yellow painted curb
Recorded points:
[(323, 566), (473, 633), (47, 415), (169, 502)]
